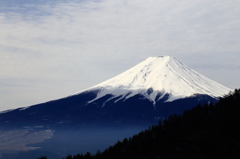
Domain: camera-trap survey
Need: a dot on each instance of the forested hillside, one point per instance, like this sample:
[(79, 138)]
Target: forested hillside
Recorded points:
[(209, 131)]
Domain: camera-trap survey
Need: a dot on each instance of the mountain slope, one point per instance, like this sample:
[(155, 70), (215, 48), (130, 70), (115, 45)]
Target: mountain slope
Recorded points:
[(146, 93), (109, 111), (160, 75)]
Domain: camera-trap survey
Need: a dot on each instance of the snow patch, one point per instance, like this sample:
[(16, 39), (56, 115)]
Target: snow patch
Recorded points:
[(6, 111)]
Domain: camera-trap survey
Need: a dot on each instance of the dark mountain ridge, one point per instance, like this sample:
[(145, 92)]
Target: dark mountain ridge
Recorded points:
[(75, 111), (209, 131)]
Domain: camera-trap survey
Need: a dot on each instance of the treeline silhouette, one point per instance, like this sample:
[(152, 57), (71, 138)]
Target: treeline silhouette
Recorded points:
[(205, 132)]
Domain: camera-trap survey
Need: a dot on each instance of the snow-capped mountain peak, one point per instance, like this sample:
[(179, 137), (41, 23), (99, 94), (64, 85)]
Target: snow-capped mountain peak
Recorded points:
[(157, 76)]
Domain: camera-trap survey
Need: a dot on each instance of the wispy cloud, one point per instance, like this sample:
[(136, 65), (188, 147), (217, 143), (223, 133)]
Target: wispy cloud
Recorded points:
[(81, 43)]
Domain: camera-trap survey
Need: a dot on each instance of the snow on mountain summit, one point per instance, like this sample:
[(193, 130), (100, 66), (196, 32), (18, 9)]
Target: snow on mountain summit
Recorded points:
[(159, 76)]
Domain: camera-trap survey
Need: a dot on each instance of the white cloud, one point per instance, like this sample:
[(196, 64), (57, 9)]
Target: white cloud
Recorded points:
[(58, 48)]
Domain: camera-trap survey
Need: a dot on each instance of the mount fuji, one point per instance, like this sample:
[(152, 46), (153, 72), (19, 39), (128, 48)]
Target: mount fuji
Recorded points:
[(157, 77), (97, 117), (148, 92)]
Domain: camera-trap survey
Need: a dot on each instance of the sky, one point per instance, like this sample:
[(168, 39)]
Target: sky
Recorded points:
[(51, 49)]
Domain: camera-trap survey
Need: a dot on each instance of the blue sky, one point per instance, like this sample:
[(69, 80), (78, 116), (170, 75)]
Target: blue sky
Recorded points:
[(53, 48)]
